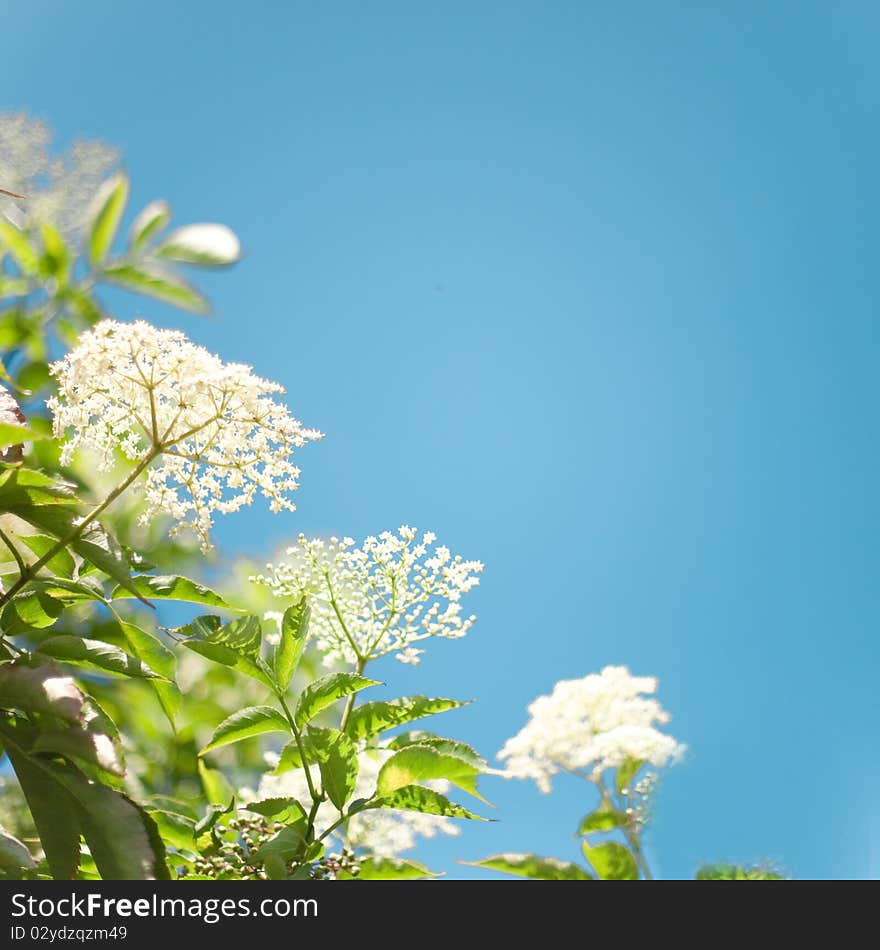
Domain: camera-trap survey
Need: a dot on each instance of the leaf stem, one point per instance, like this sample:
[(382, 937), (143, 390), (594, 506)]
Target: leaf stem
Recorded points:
[(76, 533)]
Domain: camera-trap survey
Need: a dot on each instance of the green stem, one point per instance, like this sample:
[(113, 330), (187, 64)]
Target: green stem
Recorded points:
[(349, 703), (76, 533), (316, 799)]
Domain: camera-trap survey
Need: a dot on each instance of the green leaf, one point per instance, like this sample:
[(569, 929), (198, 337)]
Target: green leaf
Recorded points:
[(40, 689), (54, 813), (425, 800), (370, 719), (156, 282), (290, 758), (94, 654), (123, 840), (14, 856), (105, 214), (12, 434), (24, 487), (19, 247), (95, 748), (326, 691), (152, 652), (287, 846), (94, 544), (420, 763), (252, 721), (732, 872), (604, 818), (450, 746), (56, 260), (627, 772), (201, 245), (154, 218), (60, 563), (176, 829), (294, 632), (171, 587), (337, 760), (612, 861), (375, 868), (33, 609), (534, 867), (217, 790), (284, 810), (235, 645)]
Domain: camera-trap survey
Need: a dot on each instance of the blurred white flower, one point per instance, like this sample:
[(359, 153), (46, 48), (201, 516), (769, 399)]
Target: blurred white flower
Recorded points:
[(596, 723), (59, 188), (379, 598), (208, 432), (384, 832)]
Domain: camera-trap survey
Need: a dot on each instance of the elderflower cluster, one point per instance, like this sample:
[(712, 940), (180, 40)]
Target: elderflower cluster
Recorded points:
[(597, 723), (385, 832), (208, 433), (382, 597)]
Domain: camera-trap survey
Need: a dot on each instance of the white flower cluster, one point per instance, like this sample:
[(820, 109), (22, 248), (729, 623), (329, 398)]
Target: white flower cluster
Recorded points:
[(382, 597), (59, 188), (385, 832), (215, 433), (599, 721)]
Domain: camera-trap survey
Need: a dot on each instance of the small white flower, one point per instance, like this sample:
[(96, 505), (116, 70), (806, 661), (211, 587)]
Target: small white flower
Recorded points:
[(379, 598), (215, 433), (599, 721)]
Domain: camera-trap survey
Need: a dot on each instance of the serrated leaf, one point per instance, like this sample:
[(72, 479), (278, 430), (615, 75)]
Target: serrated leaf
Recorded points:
[(370, 719), (294, 632), (450, 746), (376, 868), (171, 587), (337, 760), (252, 721), (425, 800), (201, 245), (158, 283), (326, 691), (732, 872), (415, 764), (612, 861), (534, 867), (283, 810), (153, 219), (43, 688), (104, 216), (234, 644), (96, 655)]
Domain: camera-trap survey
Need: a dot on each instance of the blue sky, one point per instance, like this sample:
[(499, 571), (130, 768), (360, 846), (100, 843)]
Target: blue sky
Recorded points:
[(590, 290)]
